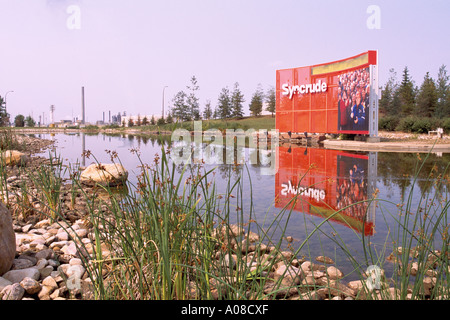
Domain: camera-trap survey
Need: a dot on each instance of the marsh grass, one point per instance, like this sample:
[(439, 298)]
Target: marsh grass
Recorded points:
[(48, 179), (174, 236), (416, 248)]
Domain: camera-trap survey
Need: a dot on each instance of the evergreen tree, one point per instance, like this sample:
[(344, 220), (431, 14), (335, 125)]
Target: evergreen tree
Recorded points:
[(407, 93), (256, 103), (192, 100), (4, 117), (216, 113), (389, 102), (138, 121), (207, 113), (145, 121), (237, 99), (152, 120), (427, 97), (224, 110), (160, 121), (169, 118), (443, 94), (130, 122), (271, 100), (180, 108)]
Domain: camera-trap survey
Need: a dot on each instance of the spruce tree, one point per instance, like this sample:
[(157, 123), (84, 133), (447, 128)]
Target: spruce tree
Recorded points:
[(4, 117), (256, 103), (192, 100), (443, 94), (237, 100), (271, 100), (224, 104), (407, 94), (389, 101), (207, 113), (180, 108), (427, 97)]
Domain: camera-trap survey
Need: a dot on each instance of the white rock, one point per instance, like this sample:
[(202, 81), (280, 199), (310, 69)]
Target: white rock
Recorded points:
[(334, 273), (104, 174), (45, 293), (50, 282), (290, 274), (75, 261), (70, 248)]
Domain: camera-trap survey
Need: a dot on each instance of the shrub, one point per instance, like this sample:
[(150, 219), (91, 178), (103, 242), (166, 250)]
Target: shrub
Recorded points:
[(406, 124), (421, 125), (388, 123), (446, 125)]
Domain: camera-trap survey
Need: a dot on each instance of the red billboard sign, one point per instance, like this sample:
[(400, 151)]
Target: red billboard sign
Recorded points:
[(334, 97)]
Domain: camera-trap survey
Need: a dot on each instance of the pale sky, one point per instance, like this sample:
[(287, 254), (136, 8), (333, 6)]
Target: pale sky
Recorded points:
[(125, 51)]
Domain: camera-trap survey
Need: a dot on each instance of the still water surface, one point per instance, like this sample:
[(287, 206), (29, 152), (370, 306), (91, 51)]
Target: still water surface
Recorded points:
[(326, 181)]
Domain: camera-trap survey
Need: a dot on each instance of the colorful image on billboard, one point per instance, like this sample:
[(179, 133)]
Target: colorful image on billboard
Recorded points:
[(353, 100)]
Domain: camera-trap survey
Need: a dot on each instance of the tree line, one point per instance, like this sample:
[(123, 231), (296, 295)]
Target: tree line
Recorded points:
[(230, 103), (405, 106)]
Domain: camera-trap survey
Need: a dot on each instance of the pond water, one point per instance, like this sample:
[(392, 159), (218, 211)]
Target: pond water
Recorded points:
[(323, 182)]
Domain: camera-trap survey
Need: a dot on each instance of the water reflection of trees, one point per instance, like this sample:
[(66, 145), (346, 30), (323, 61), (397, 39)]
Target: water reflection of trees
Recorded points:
[(404, 169), (143, 139)]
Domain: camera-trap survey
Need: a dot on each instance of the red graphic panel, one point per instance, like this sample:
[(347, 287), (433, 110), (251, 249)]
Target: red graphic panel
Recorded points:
[(327, 98)]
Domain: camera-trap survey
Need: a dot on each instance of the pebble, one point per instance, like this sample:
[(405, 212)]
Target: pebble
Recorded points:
[(19, 264), (3, 283), (30, 285), (12, 292)]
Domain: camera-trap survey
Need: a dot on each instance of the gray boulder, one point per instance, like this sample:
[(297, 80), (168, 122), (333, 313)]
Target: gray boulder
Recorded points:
[(16, 276), (7, 240)]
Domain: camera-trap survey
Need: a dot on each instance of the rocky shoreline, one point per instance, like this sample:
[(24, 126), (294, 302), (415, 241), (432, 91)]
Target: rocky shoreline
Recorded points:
[(50, 256)]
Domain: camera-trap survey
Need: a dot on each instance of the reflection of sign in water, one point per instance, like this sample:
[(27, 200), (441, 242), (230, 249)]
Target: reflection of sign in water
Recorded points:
[(351, 185), (324, 182), (288, 188)]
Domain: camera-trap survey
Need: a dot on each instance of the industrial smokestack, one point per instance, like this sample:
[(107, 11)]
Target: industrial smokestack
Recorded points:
[(52, 111), (83, 119)]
